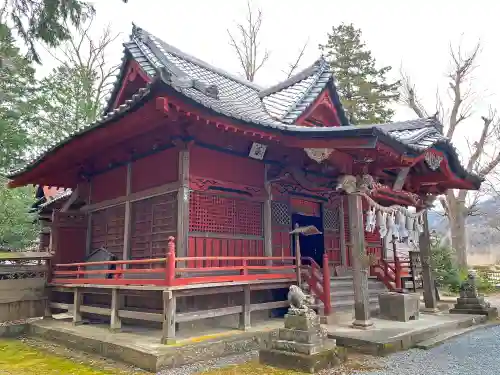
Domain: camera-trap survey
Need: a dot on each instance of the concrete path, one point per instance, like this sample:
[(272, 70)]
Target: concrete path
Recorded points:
[(476, 352)]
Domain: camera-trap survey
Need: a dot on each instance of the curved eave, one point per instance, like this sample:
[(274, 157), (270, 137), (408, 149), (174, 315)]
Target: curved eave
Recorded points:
[(286, 131), (130, 106), (445, 148)]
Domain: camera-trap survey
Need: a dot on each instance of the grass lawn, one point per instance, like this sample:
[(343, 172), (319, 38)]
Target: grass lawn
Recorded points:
[(19, 358), (250, 368)]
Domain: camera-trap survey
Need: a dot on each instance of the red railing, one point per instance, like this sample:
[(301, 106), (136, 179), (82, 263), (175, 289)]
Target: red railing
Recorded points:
[(391, 272), (166, 271), (319, 282)]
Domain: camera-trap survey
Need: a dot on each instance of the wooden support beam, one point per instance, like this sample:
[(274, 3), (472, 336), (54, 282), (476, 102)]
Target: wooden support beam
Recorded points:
[(128, 216), (136, 196), (400, 179), (116, 323), (77, 302), (72, 198), (268, 240), (245, 321), (183, 205), (360, 271), (169, 310), (343, 247)]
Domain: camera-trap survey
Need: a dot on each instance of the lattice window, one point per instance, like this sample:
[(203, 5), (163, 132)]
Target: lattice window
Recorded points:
[(153, 221), (215, 214), (281, 214), (331, 220)]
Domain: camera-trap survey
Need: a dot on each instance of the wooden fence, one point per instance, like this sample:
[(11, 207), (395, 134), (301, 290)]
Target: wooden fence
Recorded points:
[(23, 277)]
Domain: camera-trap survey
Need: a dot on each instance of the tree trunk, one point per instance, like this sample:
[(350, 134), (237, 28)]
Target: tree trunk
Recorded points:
[(456, 218)]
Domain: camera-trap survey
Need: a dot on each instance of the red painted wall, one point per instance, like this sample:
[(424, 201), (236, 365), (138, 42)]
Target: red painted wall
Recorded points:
[(109, 185), (155, 170), (225, 167)]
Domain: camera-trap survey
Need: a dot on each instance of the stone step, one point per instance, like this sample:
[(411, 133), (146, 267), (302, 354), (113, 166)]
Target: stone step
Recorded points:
[(442, 337), (350, 302)]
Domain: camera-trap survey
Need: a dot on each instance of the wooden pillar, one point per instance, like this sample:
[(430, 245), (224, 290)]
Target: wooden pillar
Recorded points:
[(245, 322), (268, 240), (169, 309), (360, 271), (88, 247), (116, 323), (183, 204), (77, 302), (343, 247), (128, 216), (425, 255)]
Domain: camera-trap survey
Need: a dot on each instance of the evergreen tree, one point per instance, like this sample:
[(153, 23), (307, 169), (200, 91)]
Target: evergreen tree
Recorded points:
[(362, 87), (18, 121)]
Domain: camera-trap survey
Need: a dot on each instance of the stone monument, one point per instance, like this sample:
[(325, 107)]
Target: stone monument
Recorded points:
[(401, 307), (470, 302), (302, 344)]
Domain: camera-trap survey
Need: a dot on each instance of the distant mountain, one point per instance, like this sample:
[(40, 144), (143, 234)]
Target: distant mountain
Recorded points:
[(482, 236)]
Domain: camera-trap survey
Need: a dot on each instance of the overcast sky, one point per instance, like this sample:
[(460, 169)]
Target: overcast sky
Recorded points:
[(412, 34)]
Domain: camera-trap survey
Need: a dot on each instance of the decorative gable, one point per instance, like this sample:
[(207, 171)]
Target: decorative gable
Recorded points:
[(321, 112)]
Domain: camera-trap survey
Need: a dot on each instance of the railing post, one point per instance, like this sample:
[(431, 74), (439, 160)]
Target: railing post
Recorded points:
[(118, 275), (397, 267), (326, 285), (170, 264), (244, 269), (79, 270), (48, 264)]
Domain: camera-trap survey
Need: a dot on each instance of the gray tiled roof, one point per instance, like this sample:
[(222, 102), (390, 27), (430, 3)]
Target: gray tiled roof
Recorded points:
[(59, 196), (419, 134), (288, 100), (236, 98), (277, 107)]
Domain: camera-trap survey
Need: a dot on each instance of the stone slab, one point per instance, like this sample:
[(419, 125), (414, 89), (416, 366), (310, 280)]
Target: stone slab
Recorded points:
[(389, 336), (326, 359), (297, 347), (143, 348), (439, 339), (490, 312)]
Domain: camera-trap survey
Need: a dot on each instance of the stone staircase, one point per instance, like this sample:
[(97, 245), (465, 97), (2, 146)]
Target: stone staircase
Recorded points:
[(342, 294)]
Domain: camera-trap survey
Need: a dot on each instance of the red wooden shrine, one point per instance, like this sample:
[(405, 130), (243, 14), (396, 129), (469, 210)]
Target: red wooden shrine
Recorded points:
[(227, 169)]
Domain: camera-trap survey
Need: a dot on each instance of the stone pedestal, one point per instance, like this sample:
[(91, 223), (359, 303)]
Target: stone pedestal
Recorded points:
[(470, 302), (399, 306), (301, 345)]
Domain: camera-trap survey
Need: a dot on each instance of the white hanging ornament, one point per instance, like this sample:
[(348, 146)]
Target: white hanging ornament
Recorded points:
[(382, 223), (403, 232), (393, 228), (369, 221), (420, 226), (374, 220)]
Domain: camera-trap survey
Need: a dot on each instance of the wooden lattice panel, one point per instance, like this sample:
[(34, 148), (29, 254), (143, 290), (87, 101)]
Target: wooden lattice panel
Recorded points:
[(281, 214), (331, 220), (210, 213), (153, 221), (108, 226)]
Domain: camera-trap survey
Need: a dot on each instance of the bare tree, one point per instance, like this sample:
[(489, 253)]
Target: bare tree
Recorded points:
[(75, 91), (292, 67), (246, 43), (484, 154)]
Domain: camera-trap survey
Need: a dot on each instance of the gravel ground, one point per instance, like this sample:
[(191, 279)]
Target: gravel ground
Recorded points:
[(474, 353), (212, 364)]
